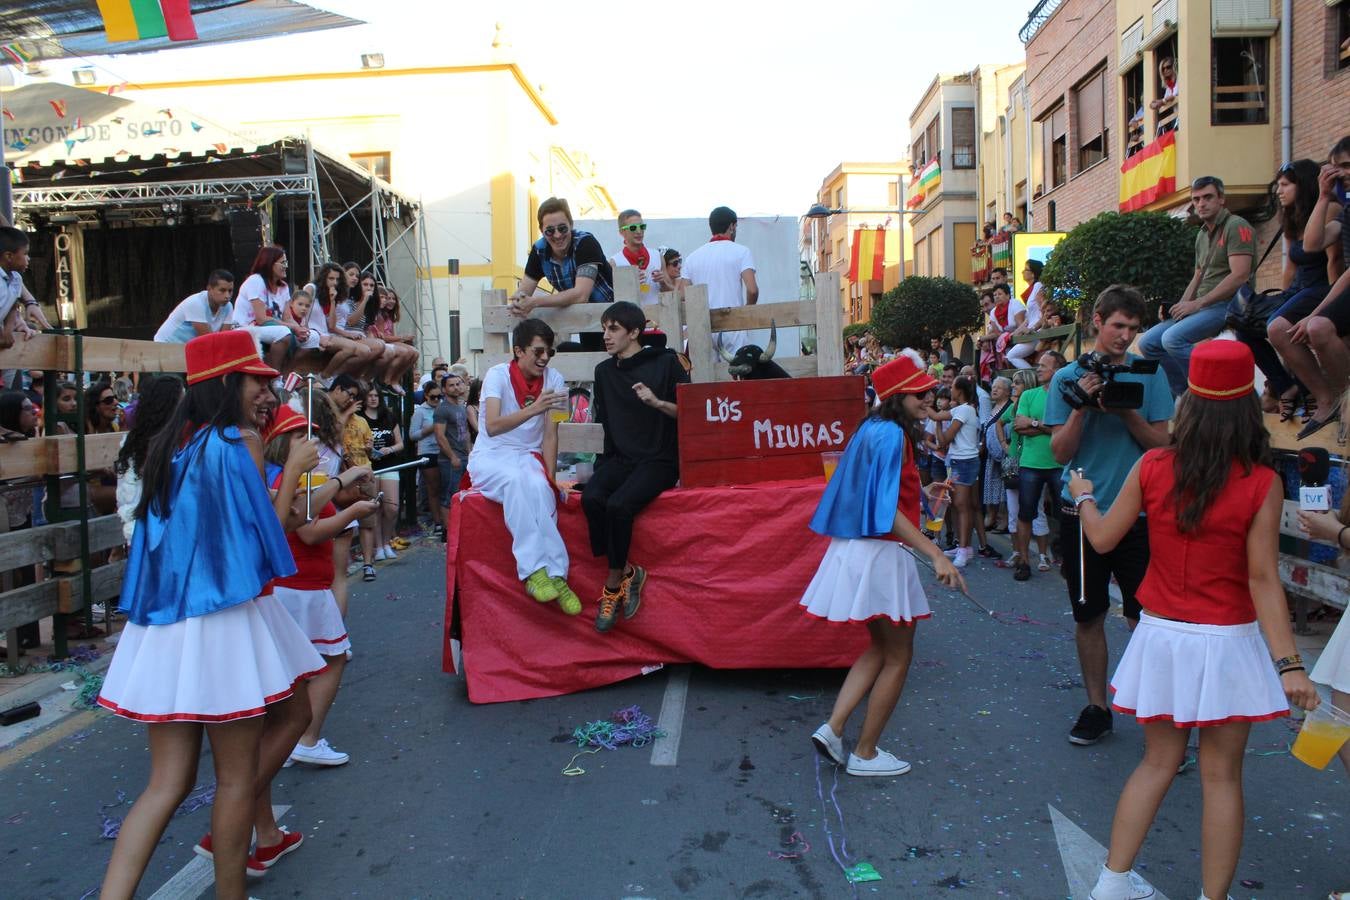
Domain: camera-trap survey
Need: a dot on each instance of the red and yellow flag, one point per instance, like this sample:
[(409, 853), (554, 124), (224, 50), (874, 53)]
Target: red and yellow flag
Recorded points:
[(1150, 174), (141, 20), (869, 255)]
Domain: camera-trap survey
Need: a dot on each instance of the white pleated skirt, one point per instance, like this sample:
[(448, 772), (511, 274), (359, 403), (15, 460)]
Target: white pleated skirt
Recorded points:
[(317, 614), (864, 579), (1333, 666), (1197, 675), (225, 665)]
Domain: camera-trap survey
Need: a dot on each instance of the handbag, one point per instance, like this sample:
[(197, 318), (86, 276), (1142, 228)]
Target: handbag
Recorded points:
[(1012, 471), (1249, 311)]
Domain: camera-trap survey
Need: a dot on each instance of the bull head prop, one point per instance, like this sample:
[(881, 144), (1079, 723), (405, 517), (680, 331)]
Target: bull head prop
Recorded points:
[(754, 362)]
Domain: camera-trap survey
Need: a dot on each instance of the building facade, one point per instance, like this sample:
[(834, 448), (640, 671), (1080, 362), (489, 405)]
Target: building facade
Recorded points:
[(869, 194), (944, 142)]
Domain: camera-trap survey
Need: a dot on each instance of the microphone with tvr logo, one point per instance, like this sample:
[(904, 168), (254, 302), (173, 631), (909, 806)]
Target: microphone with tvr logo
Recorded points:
[(1314, 469)]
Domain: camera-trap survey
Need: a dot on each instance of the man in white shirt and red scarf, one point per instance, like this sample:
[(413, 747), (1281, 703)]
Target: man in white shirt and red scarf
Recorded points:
[(515, 458), (651, 268)]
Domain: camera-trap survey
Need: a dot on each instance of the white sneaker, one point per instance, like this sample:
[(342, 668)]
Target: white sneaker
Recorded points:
[(349, 655), (1121, 886), (829, 744), (882, 764), (1044, 564), (319, 755), (389, 552), (380, 555), (963, 557)]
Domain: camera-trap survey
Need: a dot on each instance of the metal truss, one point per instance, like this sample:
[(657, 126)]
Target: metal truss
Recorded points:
[(58, 197)]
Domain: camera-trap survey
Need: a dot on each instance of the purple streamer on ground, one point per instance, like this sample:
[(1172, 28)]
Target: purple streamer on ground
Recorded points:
[(829, 833), (629, 725)]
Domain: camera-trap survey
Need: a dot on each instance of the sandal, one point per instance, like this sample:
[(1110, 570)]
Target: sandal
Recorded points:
[(78, 631), (1313, 425), (1309, 409), (1289, 406)]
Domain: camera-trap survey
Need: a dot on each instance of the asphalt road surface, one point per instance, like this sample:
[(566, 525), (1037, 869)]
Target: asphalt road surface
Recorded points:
[(446, 799)]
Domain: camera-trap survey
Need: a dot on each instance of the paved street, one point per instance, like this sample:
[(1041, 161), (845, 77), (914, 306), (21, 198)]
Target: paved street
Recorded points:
[(446, 799)]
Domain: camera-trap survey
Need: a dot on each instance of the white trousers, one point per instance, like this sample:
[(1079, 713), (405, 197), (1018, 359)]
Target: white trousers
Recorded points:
[(1040, 526), (529, 505), (267, 334), (1019, 355)]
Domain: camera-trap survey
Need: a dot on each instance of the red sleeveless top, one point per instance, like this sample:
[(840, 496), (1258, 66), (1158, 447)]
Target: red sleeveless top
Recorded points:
[(1200, 576)]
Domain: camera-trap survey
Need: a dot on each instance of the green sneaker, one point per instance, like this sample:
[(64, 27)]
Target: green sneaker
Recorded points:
[(541, 587), (609, 608), (632, 590), (567, 598)]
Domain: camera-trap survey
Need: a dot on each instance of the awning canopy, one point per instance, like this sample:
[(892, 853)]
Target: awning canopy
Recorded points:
[(37, 30)]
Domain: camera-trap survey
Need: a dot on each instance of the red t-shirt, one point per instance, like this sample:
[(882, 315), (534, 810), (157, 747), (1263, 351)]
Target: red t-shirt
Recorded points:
[(313, 562), (1200, 576)]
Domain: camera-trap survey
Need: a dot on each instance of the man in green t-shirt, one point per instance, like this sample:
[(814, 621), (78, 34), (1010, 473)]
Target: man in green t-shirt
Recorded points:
[(1223, 263)]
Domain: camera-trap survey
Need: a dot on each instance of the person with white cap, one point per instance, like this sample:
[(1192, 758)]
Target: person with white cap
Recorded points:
[(1212, 588)]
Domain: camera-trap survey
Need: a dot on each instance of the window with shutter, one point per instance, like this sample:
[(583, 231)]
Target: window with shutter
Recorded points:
[(1341, 51), (1054, 129), (934, 137), (1091, 106), (963, 138)]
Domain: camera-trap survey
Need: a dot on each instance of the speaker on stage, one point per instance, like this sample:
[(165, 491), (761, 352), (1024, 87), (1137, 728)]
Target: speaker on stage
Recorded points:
[(245, 240)]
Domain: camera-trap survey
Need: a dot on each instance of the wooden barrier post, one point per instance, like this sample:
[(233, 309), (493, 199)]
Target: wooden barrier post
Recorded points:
[(829, 325)]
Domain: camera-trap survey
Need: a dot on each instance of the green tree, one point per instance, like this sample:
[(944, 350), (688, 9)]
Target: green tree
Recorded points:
[(856, 328), (919, 309), (1152, 251)]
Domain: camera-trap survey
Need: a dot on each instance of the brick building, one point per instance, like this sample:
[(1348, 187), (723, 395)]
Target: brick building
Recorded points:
[(1320, 76), (1071, 82)]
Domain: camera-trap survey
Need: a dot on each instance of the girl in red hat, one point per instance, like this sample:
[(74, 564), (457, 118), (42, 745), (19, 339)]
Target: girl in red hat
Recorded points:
[(1197, 659), (202, 651), (870, 507)]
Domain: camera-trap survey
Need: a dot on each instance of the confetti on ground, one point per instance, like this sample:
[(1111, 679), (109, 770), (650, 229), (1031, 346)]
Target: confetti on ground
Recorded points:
[(1252, 883), (863, 871), (796, 846), (800, 697)]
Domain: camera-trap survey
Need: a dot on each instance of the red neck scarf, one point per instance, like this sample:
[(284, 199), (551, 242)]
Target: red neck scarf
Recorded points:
[(527, 389), (1001, 314), (720, 237), (1027, 293), (642, 258)]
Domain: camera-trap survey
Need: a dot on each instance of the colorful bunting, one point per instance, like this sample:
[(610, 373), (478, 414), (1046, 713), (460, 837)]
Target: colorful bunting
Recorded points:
[(70, 145), (221, 148), (141, 20), (8, 115), (166, 112), (17, 54), (195, 126), (60, 107)]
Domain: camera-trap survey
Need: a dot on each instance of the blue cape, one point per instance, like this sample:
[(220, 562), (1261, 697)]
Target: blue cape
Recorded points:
[(862, 496), (220, 543)]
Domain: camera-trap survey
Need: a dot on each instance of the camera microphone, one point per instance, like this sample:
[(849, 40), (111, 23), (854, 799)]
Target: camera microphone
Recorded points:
[(1314, 469)]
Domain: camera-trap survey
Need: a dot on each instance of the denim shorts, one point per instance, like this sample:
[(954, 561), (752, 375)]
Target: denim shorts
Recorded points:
[(964, 472)]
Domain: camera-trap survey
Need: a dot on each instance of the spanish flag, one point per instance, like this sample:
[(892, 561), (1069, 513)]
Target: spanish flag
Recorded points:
[(141, 20), (1149, 174), (869, 255)]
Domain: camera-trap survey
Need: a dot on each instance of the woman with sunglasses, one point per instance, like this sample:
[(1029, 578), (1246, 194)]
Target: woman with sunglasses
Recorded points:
[(634, 252), (573, 263)]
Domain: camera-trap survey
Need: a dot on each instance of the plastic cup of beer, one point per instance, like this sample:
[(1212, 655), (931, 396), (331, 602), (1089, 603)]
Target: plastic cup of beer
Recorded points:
[(1325, 730), (938, 495), (829, 461), (558, 415)]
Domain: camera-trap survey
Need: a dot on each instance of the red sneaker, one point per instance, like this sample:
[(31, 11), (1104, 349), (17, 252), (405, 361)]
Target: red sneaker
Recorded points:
[(268, 856), (252, 868)]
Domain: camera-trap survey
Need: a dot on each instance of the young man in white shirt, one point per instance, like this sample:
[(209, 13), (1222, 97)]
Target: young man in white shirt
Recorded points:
[(515, 458), (651, 268), (204, 312), (728, 271)]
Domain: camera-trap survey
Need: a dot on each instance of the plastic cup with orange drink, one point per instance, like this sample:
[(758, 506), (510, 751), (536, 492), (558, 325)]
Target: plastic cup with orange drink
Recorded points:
[(1325, 730)]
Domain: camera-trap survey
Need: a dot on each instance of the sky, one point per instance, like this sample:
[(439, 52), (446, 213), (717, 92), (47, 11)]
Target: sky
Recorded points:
[(682, 106)]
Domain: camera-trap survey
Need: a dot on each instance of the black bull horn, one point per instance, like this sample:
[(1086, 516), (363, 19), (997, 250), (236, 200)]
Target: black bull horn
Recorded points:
[(768, 351)]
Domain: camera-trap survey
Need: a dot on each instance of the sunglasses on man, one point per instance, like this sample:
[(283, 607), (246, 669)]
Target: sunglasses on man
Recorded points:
[(560, 230), (542, 352), (634, 228)]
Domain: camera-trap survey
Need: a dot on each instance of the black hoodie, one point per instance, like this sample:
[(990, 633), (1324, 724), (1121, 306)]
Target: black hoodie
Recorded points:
[(633, 430)]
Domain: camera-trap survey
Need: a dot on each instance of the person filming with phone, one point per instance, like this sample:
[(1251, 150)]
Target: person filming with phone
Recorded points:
[(1104, 410)]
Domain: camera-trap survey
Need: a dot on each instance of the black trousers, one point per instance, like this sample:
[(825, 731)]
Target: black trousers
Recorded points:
[(616, 493)]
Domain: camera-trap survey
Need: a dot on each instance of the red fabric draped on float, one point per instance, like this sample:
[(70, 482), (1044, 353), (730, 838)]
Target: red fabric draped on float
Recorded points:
[(726, 567)]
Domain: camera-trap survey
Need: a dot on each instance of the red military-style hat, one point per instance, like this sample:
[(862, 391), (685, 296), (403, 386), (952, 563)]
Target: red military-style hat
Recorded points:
[(220, 353), (901, 375), (1222, 370), (283, 420)]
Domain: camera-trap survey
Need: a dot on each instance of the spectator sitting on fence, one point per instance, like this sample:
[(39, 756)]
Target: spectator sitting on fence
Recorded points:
[(673, 264), (1019, 355), (346, 355), (261, 299), (13, 263), (635, 401), (201, 313), (505, 464), (634, 253), (573, 263), (399, 354), (1223, 263)]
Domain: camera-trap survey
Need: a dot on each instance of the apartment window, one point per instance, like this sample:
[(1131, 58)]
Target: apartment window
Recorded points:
[(918, 154), (933, 139), (838, 198), (376, 164), (1239, 81), (963, 138), (1055, 141), (1341, 50), (1092, 132), (1132, 89), (839, 249)]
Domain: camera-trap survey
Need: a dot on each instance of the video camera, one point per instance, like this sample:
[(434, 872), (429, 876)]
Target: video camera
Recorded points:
[(1112, 394)]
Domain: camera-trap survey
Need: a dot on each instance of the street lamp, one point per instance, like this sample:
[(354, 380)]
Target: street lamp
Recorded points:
[(821, 211)]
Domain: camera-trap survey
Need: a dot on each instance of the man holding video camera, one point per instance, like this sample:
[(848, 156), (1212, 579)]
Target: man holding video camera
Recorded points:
[(1103, 411)]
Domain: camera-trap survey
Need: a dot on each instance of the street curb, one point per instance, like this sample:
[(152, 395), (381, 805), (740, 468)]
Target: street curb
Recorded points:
[(51, 683)]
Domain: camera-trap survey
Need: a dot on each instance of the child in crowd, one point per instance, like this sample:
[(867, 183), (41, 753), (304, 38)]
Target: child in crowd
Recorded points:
[(308, 594), (13, 263), (297, 315), (204, 650), (870, 512)]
